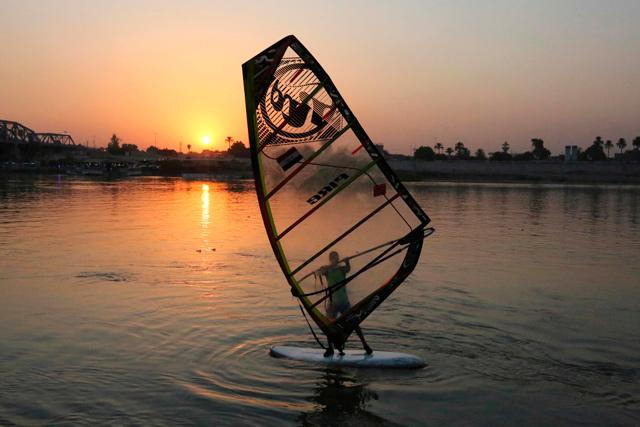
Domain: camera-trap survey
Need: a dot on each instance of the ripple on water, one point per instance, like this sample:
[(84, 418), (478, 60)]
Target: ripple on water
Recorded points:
[(104, 276), (241, 381)]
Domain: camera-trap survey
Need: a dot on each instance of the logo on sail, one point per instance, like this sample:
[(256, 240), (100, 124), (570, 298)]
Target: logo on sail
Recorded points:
[(327, 189), (290, 107), (295, 113)]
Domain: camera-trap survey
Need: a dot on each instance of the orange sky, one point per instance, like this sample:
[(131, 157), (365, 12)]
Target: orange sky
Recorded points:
[(413, 73)]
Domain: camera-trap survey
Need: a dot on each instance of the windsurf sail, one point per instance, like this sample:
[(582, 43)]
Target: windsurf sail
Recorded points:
[(329, 200)]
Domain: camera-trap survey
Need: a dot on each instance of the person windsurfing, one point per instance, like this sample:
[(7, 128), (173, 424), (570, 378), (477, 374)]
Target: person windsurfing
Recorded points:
[(335, 273)]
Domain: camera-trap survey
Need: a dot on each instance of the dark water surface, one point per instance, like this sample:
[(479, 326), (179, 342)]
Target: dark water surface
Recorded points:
[(155, 301)]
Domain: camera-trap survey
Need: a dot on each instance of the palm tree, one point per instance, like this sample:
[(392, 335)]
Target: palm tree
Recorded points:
[(189, 148), (636, 142), (459, 147), (505, 147), (439, 147), (608, 145), (621, 144), (449, 151), (228, 140)]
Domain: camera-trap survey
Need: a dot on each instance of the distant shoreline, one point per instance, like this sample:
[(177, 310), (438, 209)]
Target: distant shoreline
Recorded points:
[(409, 170), (609, 172), (591, 180)]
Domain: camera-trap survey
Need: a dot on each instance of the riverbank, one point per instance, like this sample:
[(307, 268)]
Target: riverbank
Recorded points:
[(122, 167), (610, 172)]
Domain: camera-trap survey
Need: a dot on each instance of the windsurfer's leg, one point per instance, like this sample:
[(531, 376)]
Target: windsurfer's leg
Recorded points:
[(366, 347), (329, 351)]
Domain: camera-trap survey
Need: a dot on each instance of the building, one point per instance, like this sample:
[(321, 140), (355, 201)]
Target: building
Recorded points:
[(571, 153)]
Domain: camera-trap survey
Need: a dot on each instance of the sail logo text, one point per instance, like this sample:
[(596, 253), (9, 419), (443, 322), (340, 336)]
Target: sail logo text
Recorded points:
[(327, 189)]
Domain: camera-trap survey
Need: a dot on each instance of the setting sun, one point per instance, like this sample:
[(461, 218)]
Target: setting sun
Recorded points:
[(206, 140)]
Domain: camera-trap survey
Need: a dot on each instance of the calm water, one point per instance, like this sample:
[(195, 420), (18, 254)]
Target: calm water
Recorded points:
[(155, 301)]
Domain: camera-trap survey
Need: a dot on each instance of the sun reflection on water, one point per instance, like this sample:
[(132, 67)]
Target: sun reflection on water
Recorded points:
[(205, 206)]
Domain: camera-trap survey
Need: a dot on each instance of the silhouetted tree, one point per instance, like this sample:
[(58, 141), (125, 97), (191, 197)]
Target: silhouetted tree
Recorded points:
[(228, 140), (608, 146), (439, 147), (636, 142), (113, 146), (594, 152), (500, 156), (480, 154), (188, 148), (621, 144), (539, 152), (129, 148), (598, 141), (462, 152), (505, 147), (238, 149), (527, 156), (449, 151), (424, 153), (167, 152)]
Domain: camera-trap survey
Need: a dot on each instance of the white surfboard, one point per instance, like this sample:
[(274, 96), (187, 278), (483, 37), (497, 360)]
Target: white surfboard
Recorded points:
[(351, 358)]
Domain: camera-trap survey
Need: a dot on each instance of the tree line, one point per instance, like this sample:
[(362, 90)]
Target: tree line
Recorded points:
[(116, 147), (596, 151)]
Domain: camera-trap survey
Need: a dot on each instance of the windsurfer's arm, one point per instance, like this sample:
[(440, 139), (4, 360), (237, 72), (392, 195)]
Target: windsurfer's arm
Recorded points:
[(347, 266)]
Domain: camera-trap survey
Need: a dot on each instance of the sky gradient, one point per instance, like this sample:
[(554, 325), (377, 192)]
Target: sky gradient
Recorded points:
[(413, 72)]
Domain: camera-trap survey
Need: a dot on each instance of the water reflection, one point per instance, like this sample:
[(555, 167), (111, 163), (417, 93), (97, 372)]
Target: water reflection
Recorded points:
[(540, 318), (537, 203), (340, 401), (597, 205), (239, 186), (205, 206), (570, 202)]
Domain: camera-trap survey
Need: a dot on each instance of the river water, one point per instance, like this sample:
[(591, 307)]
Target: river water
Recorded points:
[(154, 301)]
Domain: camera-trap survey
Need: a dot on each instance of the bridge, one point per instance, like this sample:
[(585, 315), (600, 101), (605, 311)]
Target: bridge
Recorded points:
[(16, 133), (19, 143)]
